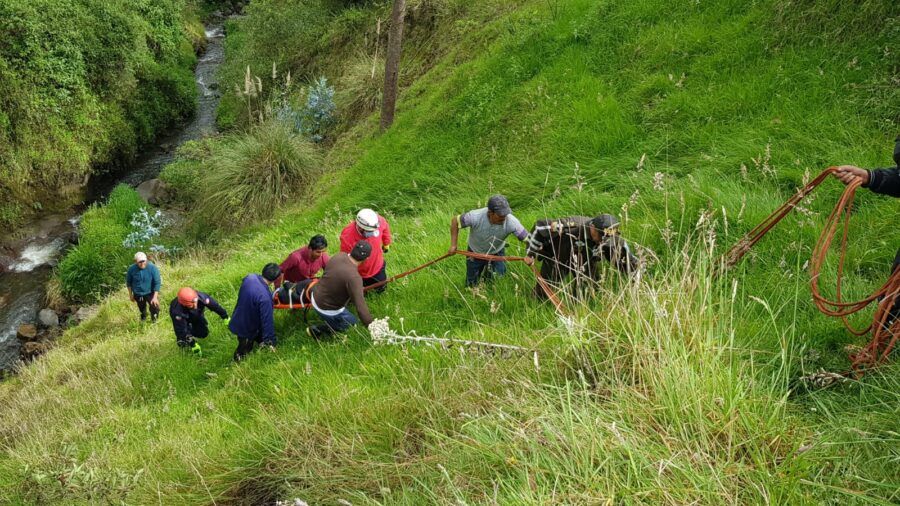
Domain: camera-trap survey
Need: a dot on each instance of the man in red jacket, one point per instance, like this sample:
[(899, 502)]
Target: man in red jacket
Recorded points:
[(374, 229)]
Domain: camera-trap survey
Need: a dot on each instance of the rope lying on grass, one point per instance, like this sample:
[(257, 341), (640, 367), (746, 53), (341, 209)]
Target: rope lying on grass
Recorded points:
[(383, 334), (883, 338)]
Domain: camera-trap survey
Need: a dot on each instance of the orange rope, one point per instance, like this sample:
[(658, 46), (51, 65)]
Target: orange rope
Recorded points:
[(883, 339), (551, 295)]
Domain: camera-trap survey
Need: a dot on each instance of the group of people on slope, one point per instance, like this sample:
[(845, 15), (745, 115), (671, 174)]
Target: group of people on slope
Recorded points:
[(565, 247), (568, 247)]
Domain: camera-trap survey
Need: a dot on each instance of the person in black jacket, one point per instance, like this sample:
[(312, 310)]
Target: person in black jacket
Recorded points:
[(188, 320), (884, 181), (574, 245)]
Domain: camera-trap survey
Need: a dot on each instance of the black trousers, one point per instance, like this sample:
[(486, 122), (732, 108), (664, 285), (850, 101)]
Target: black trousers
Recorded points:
[(561, 258), (377, 278), (142, 302), (245, 346), (197, 327)]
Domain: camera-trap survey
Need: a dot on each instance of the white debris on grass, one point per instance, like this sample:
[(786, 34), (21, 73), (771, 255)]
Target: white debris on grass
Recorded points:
[(382, 334), (294, 502), (823, 379)]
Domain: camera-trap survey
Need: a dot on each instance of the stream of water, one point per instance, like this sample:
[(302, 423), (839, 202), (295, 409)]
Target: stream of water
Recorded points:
[(22, 283)]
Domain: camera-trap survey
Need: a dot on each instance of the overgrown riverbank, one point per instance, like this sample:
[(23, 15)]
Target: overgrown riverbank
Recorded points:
[(689, 120), (85, 87)]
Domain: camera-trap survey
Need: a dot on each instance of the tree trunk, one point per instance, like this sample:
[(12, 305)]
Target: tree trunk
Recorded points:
[(392, 64)]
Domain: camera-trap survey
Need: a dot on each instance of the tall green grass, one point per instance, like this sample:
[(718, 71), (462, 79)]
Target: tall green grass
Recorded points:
[(255, 175), (98, 263), (689, 121)]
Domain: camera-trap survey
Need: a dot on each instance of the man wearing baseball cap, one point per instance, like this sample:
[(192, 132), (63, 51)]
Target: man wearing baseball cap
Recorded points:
[(489, 228), (573, 246), (340, 285), (143, 282), (372, 228), (188, 320)]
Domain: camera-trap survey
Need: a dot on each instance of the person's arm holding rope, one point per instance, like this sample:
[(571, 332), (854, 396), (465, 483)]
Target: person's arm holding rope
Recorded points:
[(883, 181), (454, 233)]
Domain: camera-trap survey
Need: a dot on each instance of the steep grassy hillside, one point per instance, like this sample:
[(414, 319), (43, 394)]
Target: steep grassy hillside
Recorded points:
[(691, 121)]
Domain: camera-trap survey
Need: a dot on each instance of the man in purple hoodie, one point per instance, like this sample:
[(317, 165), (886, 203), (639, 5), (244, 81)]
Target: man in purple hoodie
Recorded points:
[(253, 318)]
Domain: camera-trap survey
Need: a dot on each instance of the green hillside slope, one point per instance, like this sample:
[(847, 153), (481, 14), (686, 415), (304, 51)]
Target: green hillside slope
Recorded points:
[(690, 120)]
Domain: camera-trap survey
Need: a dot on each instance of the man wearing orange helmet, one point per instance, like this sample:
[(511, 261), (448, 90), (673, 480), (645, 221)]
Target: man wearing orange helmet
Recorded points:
[(188, 320)]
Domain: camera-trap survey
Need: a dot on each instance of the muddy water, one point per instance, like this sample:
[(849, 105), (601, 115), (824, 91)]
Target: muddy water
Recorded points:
[(24, 273)]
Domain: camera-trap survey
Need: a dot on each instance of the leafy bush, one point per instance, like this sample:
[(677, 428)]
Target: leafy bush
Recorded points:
[(183, 174), (84, 83), (271, 31), (145, 229), (318, 115), (97, 265), (250, 176)]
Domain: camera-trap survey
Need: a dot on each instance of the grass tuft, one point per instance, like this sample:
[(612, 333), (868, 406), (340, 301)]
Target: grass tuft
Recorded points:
[(252, 176)]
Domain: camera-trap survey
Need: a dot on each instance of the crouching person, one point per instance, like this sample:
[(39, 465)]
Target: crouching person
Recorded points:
[(188, 319), (340, 284), (253, 318), (572, 246)]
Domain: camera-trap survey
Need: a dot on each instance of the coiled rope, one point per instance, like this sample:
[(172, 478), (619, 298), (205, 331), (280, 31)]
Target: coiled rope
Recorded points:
[(883, 337)]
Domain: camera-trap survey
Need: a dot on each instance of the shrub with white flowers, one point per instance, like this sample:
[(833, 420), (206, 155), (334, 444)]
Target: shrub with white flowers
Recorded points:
[(146, 228)]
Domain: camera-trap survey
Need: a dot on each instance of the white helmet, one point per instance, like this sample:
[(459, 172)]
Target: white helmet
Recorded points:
[(367, 219)]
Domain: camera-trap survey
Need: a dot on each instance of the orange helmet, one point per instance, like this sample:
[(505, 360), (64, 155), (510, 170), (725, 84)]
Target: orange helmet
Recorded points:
[(187, 297)]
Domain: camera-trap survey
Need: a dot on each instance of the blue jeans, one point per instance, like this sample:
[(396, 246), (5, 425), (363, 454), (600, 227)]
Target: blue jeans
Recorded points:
[(341, 322), (476, 268)]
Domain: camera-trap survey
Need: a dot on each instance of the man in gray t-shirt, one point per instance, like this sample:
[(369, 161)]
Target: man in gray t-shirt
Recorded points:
[(490, 226)]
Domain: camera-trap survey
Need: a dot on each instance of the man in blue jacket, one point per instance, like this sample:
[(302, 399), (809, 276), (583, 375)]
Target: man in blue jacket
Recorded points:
[(253, 318), (143, 282)]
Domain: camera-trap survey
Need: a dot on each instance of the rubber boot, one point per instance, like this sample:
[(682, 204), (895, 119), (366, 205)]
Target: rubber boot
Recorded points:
[(320, 331)]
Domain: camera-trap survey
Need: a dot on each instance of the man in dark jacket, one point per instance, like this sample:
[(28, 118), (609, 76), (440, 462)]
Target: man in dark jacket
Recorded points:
[(253, 318), (884, 181), (340, 285), (573, 246), (188, 320)]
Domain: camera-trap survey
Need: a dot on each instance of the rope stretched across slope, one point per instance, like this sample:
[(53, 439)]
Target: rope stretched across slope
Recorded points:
[(551, 295)]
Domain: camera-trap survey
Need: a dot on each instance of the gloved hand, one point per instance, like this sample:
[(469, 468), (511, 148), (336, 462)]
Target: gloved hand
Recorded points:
[(533, 244), (385, 248)]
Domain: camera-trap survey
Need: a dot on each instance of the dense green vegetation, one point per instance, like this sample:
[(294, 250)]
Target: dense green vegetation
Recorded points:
[(691, 120), (84, 84), (95, 266)]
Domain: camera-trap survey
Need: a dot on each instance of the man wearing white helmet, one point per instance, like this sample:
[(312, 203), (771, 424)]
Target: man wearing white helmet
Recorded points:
[(372, 228)]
